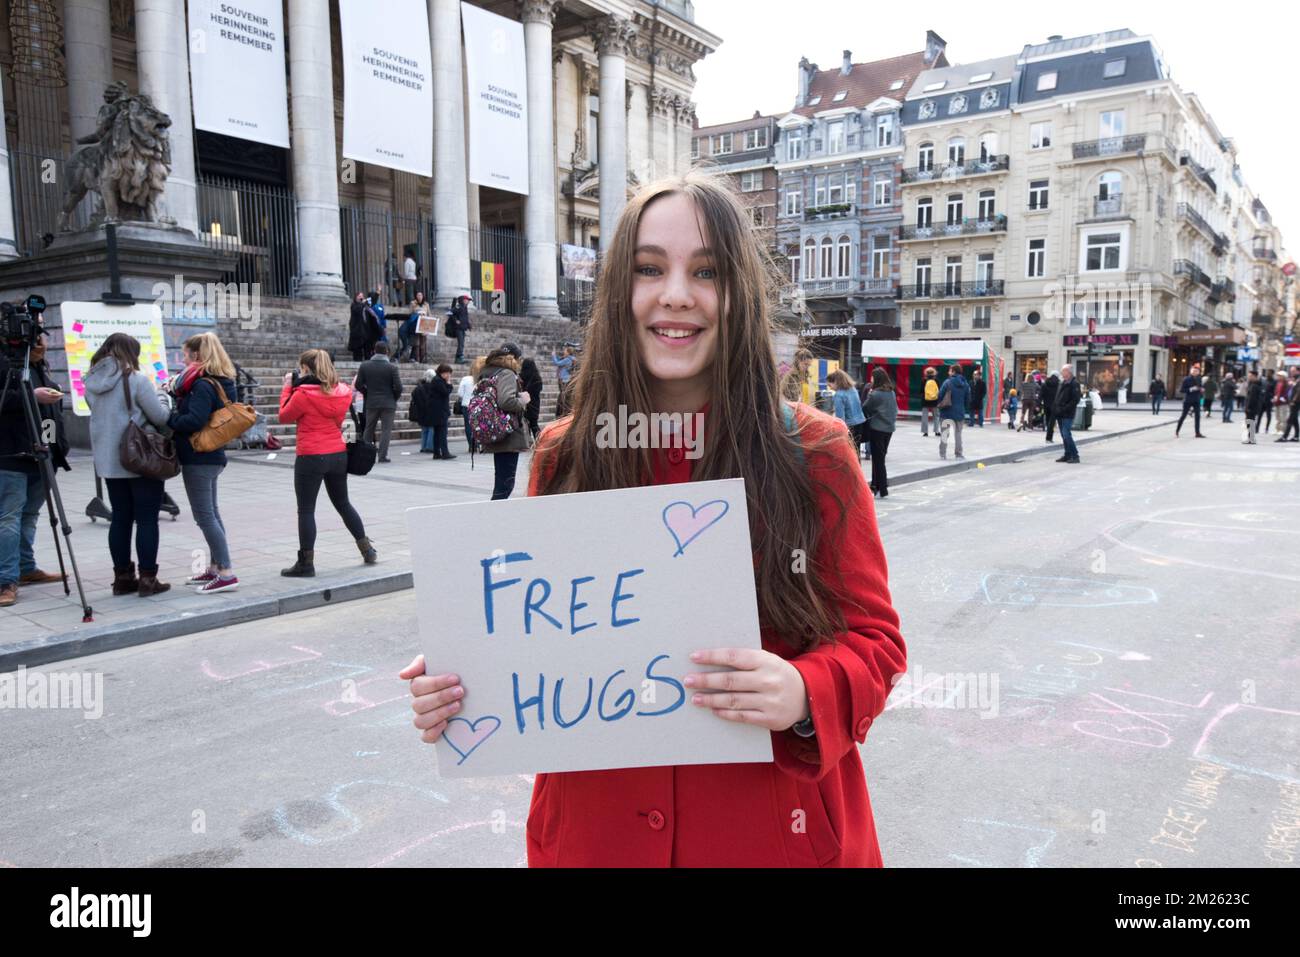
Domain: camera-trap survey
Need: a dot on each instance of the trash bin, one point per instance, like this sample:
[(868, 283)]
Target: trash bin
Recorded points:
[(1083, 416)]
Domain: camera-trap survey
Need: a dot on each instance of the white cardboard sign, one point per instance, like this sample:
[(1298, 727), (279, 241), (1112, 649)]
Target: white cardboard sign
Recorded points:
[(570, 620)]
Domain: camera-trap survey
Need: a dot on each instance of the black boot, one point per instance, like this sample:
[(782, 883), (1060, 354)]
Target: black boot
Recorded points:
[(304, 567), (124, 580), (367, 551)]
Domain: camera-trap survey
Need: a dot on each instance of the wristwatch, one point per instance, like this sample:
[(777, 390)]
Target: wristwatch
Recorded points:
[(804, 728)]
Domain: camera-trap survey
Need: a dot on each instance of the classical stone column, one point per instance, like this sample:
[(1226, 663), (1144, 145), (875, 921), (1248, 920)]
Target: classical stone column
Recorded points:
[(315, 161), (661, 132), (539, 207), (450, 166), (8, 245), (612, 35), (88, 40), (684, 110), (162, 55)]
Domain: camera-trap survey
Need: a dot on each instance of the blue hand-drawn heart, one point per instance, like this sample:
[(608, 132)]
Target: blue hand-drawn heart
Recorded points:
[(685, 522), (467, 742)]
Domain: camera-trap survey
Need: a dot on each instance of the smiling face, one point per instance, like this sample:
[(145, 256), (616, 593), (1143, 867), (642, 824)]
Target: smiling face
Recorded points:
[(675, 302)]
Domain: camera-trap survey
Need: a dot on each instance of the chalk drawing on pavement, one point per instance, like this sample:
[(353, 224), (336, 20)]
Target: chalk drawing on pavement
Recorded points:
[(1012, 589)]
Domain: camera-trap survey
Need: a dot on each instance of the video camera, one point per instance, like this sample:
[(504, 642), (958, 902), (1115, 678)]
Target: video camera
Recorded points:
[(20, 322)]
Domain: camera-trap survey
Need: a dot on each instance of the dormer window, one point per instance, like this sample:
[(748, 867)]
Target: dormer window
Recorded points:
[(1047, 81), (839, 96), (816, 100), (896, 85), (981, 77), (1115, 68), (937, 85)]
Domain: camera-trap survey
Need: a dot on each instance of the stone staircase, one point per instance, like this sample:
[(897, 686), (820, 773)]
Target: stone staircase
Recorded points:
[(284, 330)]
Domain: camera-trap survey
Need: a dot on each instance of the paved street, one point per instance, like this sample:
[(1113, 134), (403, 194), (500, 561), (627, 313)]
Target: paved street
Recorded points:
[(1103, 670)]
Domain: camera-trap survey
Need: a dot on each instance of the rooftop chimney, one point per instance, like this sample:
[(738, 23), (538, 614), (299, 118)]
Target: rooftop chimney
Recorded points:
[(934, 47), (1055, 38), (847, 66), (806, 72)]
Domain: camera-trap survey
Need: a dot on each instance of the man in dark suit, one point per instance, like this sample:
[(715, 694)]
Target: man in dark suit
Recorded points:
[(380, 382)]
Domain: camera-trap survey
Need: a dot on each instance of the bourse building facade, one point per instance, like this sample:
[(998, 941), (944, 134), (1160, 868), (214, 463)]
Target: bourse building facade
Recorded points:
[(609, 98)]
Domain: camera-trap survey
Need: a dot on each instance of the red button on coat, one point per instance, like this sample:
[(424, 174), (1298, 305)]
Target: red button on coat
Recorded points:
[(863, 725), (656, 820)]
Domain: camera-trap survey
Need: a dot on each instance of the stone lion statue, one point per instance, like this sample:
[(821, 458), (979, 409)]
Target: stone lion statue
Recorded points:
[(125, 161)]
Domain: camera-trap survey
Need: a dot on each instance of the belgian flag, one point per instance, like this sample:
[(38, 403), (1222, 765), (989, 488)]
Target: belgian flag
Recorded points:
[(487, 277)]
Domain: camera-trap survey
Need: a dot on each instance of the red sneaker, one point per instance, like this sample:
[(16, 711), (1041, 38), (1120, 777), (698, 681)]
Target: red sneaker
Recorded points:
[(219, 584)]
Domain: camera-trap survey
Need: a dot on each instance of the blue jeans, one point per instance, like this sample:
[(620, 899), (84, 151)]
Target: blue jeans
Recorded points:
[(1227, 410), (426, 438), (21, 497), (201, 489), (1066, 425), (505, 464), (1155, 405)]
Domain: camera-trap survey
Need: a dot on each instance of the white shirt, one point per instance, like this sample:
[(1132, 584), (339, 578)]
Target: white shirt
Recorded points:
[(408, 268), (466, 389)]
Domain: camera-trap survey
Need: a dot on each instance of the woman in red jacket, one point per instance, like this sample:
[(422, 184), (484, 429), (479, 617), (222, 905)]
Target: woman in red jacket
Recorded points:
[(684, 280), (315, 399)]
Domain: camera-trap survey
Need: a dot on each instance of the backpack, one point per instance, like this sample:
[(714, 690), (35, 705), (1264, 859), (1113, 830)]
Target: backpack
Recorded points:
[(931, 390), (488, 422)]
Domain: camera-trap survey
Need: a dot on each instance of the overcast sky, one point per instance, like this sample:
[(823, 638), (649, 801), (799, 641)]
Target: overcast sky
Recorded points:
[(1243, 67)]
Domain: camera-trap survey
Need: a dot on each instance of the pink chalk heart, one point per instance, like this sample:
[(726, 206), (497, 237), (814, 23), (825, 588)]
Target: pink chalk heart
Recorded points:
[(466, 741), (686, 522)]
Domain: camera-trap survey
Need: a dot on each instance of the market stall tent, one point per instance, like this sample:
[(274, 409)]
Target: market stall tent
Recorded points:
[(905, 360)]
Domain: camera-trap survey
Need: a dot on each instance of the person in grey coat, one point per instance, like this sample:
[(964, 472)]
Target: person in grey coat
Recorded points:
[(135, 499), (882, 417), (380, 381), (502, 367)]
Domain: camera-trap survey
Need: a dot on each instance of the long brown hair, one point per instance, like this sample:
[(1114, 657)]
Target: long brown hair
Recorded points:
[(745, 434), (317, 362), (125, 349)]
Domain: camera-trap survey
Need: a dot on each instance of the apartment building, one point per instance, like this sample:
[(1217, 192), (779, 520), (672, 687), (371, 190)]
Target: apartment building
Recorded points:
[(838, 161), (743, 152), (1068, 191)]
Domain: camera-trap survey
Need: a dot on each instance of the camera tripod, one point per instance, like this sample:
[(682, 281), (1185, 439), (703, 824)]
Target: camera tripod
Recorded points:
[(41, 452)]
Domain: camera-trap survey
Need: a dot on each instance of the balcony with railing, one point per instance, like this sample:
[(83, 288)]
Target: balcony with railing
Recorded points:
[(1202, 174), (979, 289), (832, 288), (1192, 273), (950, 171), (1112, 207), (968, 227), (817, 214), (1220, 241), (1109, 146), (1228, 289), (1268, 255)]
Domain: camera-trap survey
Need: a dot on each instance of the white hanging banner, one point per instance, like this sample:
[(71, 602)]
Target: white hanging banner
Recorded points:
[(237, 76), (497, 72), (387, 84)]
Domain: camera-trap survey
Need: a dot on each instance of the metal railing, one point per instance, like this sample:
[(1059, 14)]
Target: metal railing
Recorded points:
[(37, 182), (1110, 206), (953, 290), (830, 211), (506, 246), (946, 230), (949, 171), (1220, 241), (829, 287), (259, 224), (1268, 255), (1201, 172), (375, 242), (1110, 146), (1193, 272)]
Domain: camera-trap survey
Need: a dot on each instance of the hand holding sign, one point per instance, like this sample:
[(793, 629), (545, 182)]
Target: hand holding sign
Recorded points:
[(764, 689)]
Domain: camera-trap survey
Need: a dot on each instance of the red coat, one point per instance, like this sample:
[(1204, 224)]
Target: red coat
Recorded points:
[(747, 815), (319, 417)]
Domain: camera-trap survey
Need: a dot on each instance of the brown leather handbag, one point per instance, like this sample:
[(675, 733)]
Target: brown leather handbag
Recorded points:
[(225, 424), (143, 451)]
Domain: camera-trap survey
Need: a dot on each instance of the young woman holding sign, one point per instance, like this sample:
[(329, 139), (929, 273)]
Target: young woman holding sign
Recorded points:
[(680, 324)]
